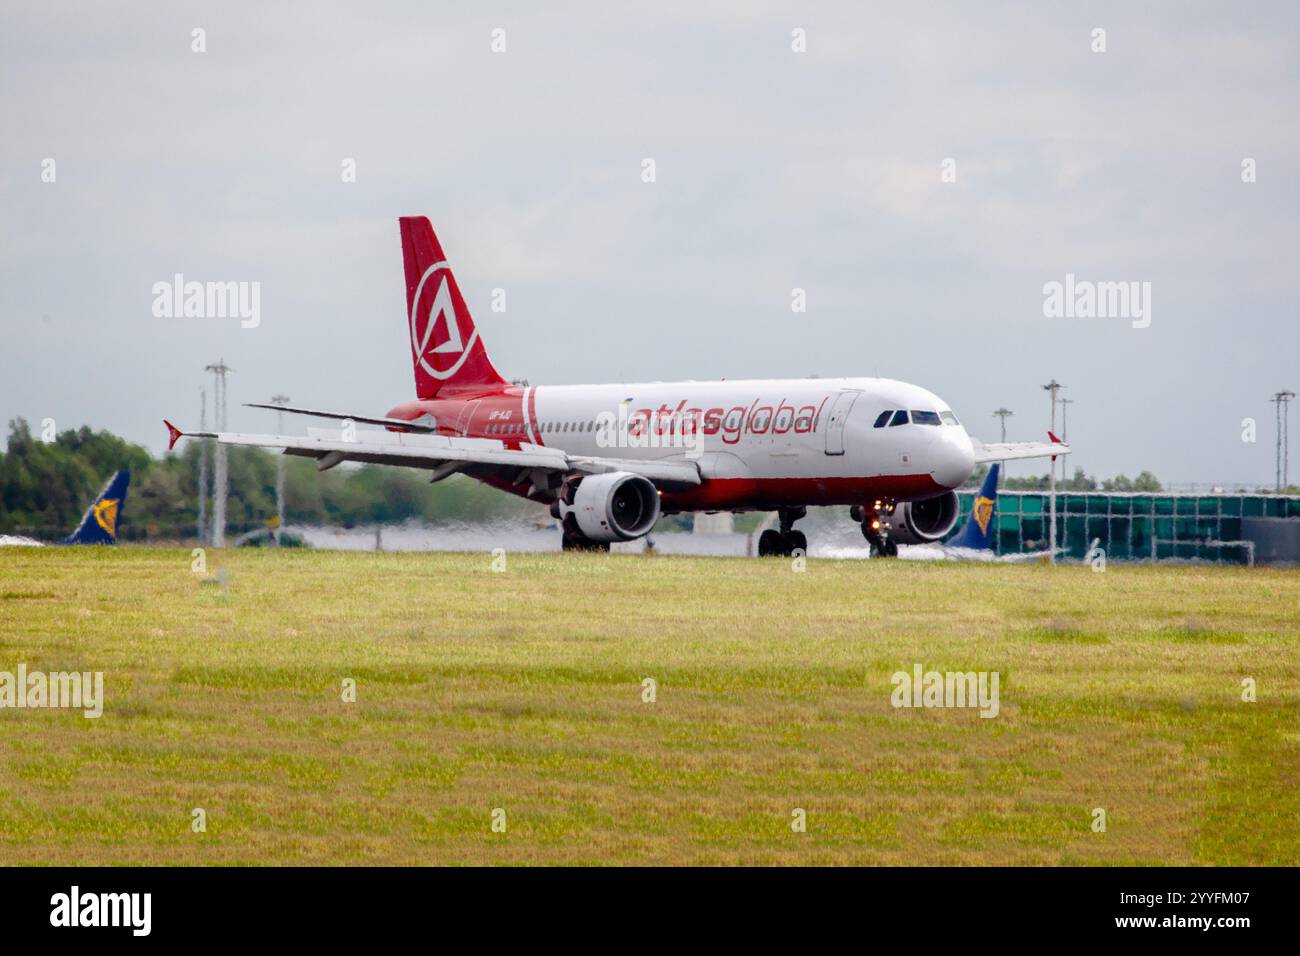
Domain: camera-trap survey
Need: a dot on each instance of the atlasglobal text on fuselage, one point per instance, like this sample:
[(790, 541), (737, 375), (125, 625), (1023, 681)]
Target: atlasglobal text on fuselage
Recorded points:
[(610, 459)]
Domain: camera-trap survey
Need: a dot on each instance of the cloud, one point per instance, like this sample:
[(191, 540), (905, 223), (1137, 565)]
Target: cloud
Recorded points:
[(775, 169)]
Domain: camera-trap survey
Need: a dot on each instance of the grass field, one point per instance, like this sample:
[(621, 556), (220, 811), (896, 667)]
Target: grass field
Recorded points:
[(522, 690)]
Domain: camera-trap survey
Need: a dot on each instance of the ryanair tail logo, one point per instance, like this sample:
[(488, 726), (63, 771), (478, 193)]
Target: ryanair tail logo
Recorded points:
[(106, 515), (982, 512)]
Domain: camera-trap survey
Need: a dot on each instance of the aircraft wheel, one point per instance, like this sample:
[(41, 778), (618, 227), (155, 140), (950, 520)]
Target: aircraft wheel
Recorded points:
[(771, 544), (796, 541), (881, 546)]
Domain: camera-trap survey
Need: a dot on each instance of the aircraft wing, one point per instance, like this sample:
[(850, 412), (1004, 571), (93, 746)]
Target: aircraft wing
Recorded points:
[(444, 455), (1015, 450)]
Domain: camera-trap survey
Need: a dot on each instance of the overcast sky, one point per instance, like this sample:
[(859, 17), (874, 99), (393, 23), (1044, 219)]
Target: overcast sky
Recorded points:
[(774, 170)]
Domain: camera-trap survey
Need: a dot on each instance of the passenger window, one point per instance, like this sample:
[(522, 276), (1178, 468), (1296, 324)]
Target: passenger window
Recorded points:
[(925, 418), (949, 418), (900, 418), (883, 419)]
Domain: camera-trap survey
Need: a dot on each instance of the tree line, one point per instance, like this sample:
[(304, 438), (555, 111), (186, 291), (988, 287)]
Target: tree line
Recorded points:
[(1144, 483), (45, 487)]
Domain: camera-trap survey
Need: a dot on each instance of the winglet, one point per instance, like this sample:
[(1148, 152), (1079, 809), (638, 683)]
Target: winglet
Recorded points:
[(1055, 441), (174, 434)]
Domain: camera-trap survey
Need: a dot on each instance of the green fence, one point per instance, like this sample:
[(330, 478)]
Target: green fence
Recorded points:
[(1139, 527)]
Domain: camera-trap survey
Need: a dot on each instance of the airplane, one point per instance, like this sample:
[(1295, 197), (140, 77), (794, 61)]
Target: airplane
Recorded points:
[(99, 523), (610, 459)]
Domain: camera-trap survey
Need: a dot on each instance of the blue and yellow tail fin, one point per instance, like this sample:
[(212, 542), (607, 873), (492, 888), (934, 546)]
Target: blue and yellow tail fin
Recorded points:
[(978, 531), (99, 523)]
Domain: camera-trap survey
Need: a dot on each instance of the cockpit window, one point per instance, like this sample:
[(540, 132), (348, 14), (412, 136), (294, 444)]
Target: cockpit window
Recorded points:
[(883, 419), (900, 418), (925, 418), (949, 418)]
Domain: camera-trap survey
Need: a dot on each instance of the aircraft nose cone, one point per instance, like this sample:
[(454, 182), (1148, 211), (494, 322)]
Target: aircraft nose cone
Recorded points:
[(954, 459)]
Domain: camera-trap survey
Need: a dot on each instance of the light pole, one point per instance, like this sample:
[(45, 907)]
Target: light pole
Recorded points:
[(1003, 413), (279, 469), (203, 468), (219, 370), (1054, 387), (1065, 404), (1282, 400)]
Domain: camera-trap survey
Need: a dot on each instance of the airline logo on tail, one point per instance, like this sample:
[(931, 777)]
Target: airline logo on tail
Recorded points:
[(982, 513), (438, 314), (106, 515), (445, 345)]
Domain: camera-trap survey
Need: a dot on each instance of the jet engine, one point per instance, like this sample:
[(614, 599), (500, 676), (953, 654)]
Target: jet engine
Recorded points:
[(615, 507), (920, 522)]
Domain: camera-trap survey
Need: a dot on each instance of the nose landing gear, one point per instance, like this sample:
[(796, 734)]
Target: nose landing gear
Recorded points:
[(873, 527), (783, 543)]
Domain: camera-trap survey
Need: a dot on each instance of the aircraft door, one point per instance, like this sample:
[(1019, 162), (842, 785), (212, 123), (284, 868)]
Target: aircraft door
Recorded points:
[(466, 417), (839, 414)]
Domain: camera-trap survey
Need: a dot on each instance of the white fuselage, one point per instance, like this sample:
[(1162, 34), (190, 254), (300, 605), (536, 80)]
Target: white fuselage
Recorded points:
[(759, 443)]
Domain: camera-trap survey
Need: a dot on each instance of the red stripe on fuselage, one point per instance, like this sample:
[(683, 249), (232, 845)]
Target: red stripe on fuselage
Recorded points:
[(532, 417)]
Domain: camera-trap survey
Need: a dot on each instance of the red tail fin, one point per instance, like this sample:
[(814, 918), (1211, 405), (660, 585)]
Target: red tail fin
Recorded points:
[(445, 346)]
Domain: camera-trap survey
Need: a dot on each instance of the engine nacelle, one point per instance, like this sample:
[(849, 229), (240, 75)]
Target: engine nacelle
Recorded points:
[(920, 522), (616, 507)]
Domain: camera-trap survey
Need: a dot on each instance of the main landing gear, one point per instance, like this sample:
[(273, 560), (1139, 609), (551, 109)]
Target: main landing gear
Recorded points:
[(873, 529), (784, 543)]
